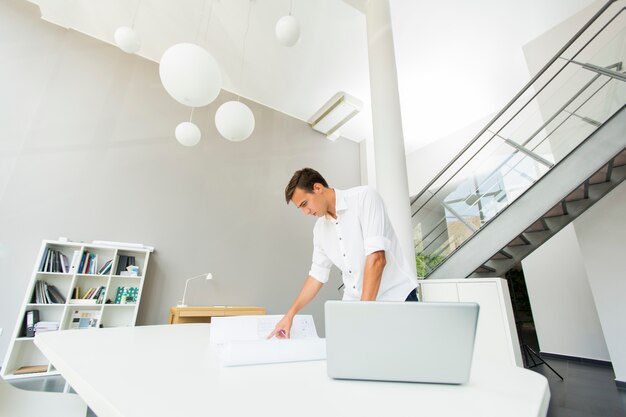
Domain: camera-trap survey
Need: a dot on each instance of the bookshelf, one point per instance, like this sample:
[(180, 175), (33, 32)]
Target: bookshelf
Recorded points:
[(71, 271)]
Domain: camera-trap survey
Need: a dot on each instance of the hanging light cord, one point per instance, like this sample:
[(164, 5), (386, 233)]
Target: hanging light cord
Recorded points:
[(290, 7), (243, 50), (132, 25), (208, 23)]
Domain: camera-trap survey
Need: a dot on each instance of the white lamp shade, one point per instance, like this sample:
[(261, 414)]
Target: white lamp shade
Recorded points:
[(188, 134), (190, 75), (127, 40), (287, 30), (235, 121)]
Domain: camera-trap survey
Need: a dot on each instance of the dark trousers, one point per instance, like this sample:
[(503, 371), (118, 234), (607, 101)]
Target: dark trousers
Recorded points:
[(412, 295)]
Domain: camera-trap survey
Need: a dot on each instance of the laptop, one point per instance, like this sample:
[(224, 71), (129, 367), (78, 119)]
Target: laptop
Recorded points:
[(400, 341)]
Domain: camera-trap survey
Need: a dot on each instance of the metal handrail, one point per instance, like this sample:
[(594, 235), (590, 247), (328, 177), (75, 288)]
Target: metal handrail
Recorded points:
[(514, 99)]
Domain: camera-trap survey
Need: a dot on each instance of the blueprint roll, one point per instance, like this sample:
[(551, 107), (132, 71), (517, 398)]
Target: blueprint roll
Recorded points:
[(258, 352)]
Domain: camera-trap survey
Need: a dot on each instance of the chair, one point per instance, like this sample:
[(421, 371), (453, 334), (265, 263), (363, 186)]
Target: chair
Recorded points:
[(15, 402)]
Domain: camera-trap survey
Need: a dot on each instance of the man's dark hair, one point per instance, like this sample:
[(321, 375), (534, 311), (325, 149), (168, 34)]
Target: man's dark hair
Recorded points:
[(303, 179)]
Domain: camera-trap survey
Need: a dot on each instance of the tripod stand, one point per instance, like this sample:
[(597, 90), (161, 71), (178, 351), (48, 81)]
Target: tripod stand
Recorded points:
[(529, 355)]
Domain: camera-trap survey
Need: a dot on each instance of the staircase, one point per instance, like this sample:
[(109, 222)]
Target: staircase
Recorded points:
[(563, 213), (557, 148)]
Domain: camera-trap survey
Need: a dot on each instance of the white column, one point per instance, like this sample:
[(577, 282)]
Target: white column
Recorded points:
[(389, 153)]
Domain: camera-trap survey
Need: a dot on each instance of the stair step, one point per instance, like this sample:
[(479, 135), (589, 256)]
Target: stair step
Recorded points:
[(620, 160), (484, 269), (558, 222), (600, 176), (501, 255), (537, 238), (577, 194), (518, 241), (538, 226), (555, 211)]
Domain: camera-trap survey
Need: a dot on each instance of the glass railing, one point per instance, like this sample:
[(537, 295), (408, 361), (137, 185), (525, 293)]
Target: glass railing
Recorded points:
[(570, 98)]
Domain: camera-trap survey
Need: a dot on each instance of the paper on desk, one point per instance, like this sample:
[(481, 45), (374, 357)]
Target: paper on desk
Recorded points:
[(256, 352), (246, 328), (242, 340)]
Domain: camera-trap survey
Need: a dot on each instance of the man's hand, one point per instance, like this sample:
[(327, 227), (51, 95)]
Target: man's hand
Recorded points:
[(283, 328)]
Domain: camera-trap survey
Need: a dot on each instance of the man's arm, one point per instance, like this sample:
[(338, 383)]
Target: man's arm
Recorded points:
[(309, 290), (374, 264)]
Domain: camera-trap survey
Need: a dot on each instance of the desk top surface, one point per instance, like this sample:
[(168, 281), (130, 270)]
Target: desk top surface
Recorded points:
[(171, 371), (215, 308)]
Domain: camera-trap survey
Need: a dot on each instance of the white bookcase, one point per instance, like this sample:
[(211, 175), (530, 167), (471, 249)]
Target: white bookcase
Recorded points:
[(22, 350)]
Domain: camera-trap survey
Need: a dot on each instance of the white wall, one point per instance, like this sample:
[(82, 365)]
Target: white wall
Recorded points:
[(426, 162), (601, 232), (459, 61), (87, 151), (563, 308)]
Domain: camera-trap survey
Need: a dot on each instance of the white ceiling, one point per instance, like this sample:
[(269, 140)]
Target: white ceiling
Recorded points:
[(331, 55), (457, 61)]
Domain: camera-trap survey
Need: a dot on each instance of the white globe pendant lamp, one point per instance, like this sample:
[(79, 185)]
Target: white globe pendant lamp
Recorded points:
[(287, 30), (235, 121), (188, 134), (190, 75), (127, 40)]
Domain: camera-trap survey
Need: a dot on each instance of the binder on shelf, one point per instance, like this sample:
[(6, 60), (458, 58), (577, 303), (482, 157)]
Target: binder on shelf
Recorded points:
[(122, 263), (75, 262), (32, 317)]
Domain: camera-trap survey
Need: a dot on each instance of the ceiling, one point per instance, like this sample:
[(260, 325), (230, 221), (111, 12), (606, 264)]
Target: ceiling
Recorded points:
[(457, 61), (330, 56)]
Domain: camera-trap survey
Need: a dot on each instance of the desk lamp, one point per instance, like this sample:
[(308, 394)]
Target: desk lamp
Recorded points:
[(206, 276)]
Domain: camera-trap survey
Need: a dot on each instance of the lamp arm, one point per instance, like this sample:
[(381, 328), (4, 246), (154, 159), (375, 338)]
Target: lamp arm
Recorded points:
[(187, 284)]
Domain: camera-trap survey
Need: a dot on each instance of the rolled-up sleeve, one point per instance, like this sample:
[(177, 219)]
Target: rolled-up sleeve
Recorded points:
[(374, 223), (320, 265)]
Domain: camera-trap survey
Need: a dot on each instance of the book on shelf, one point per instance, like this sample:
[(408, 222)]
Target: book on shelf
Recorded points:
[(47, 294), (80, 301), (85, 319), (53, 261), (55, 294), (93, 295), (123, 262), (30, 369), (46, 326), (88, 263), (126, 295), (106, 268), (42, 264)]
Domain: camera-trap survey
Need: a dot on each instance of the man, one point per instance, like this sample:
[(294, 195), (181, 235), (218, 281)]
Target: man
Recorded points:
[(354, 233)]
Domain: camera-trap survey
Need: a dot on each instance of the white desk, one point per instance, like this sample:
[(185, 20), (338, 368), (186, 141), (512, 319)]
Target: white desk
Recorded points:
[(170, 371)]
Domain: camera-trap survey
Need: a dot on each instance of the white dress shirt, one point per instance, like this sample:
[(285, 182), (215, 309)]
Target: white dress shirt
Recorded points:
[(361, 228)]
